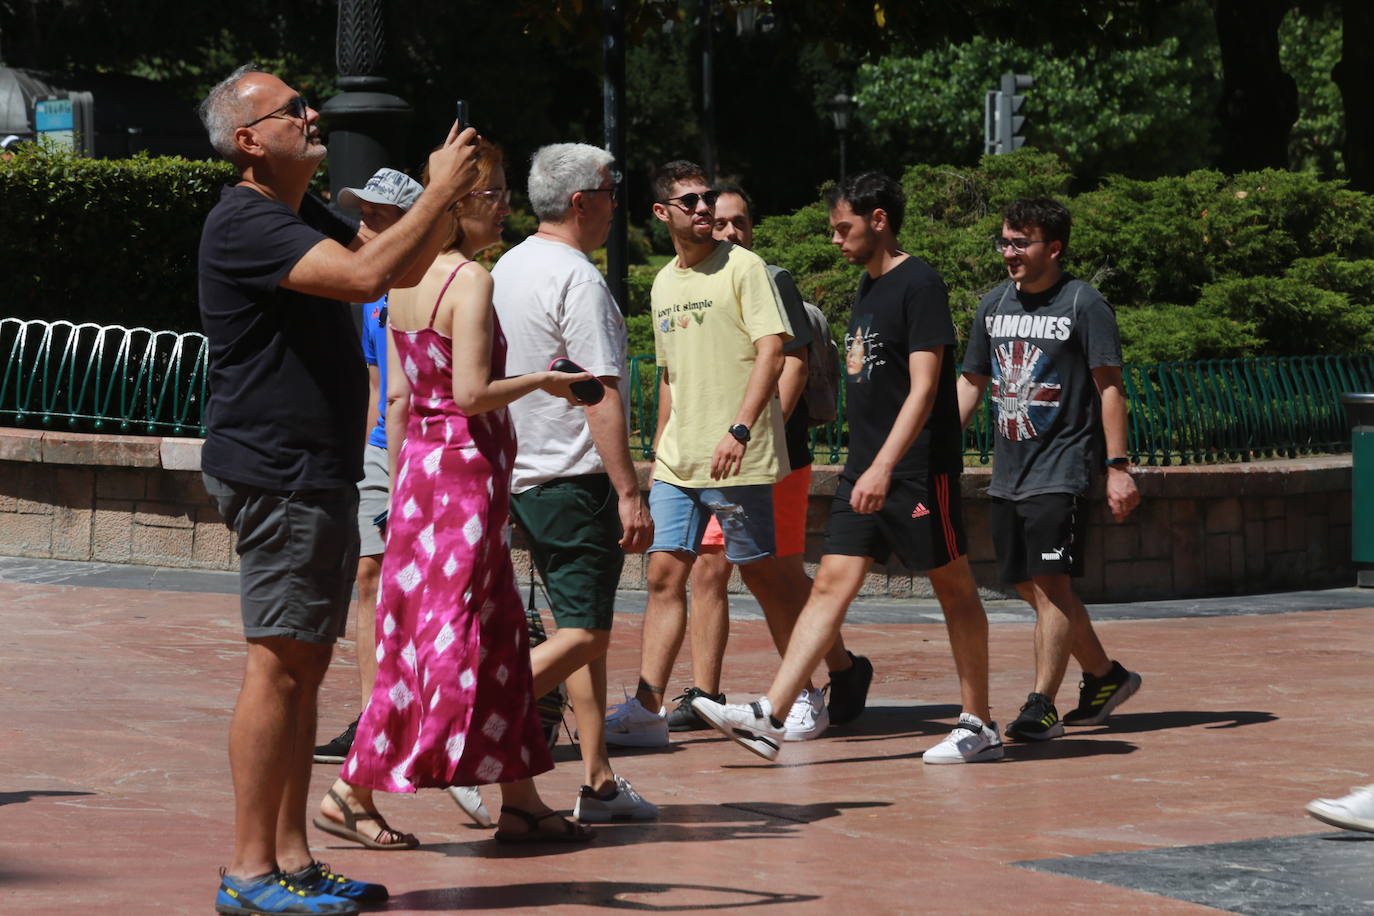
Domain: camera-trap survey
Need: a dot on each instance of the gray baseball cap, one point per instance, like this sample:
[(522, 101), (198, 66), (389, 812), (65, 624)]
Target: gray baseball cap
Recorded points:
[(388, 186)]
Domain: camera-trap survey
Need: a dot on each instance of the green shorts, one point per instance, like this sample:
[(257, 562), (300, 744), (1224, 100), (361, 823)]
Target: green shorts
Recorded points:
[(573, 528)]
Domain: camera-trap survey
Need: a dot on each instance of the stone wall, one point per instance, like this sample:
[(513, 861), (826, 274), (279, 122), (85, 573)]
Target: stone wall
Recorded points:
[(1209, 530)]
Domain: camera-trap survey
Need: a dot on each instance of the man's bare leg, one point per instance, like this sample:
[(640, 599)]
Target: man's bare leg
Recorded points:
[(710, 622), (1062, 627), (269, 771), (369, 579), (837, 582), (577, 657), (966, 622), (665, 624), (782, 588)]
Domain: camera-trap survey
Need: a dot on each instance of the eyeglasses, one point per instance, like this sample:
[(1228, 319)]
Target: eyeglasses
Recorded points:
[(492, 195), (296, 108), (611, 191), (689, 202), (1017, 246)]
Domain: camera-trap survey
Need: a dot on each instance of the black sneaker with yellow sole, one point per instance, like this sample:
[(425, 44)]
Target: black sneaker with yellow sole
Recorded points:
[(1038, 721)]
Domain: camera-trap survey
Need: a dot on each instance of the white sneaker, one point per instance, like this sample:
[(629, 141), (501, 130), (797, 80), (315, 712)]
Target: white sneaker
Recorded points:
[(745, 724), (1353, 812), (625, 804), (629, 724), (971, 741), (807, 718), (469, 798)]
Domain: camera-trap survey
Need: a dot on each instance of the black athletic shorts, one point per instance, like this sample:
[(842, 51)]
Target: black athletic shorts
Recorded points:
[(921, 522), (1041, 535)]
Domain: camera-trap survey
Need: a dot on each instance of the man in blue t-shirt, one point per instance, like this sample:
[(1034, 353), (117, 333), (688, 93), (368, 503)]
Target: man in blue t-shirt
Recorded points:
[(283, 453), (382, 202), (1048, 344)]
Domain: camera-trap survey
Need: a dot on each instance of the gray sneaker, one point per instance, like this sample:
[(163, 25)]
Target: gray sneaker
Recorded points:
[(684, 718)]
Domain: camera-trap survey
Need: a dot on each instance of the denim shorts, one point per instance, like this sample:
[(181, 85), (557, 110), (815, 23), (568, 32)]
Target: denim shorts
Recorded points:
[(745, 515)]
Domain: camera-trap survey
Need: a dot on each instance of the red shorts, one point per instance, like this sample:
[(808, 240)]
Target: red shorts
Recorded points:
[(790, 496)]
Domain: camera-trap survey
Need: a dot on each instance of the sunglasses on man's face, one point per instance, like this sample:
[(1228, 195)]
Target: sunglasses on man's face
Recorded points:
[(689, 202), (296, 109)]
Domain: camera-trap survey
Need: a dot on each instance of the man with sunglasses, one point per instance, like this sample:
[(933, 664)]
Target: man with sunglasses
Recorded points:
[(283, 452), (575, 492), (718, 337), (1048, 344)]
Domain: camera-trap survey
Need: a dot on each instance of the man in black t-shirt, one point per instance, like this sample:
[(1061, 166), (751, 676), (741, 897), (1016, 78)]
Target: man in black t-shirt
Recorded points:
[(1048, 344), (899, 492), (282, 454)]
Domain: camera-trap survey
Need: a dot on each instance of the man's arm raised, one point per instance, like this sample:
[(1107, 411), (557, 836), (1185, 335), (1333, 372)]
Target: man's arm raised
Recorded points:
[(333, 271)]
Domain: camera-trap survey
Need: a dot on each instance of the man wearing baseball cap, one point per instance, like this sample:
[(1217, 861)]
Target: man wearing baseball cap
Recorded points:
[(383, 200)]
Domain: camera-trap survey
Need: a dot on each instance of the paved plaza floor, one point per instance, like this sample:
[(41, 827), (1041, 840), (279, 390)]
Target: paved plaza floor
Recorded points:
[(116, 685)]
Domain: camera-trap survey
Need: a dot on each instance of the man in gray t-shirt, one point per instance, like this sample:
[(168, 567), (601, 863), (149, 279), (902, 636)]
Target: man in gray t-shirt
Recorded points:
[(1048, 345)]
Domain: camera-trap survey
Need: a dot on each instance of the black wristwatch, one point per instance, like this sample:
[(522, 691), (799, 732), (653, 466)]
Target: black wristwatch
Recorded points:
[(740, 432), (1119, 462)]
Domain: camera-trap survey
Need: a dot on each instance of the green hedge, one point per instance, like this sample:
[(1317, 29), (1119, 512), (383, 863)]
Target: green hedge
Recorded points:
[(111, 241), (1201, 265)]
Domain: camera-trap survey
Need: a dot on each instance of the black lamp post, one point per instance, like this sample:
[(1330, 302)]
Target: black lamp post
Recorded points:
[(841, 108), (366, 123)]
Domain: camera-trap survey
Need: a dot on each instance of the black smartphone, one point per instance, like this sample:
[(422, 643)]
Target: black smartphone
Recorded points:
[(589, 392), (462, 114)]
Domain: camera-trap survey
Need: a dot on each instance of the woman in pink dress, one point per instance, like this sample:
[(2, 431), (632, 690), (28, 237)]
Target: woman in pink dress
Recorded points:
[(453, 702)]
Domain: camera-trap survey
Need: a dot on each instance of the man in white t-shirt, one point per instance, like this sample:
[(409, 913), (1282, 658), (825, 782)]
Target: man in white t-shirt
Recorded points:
[(574, 488)]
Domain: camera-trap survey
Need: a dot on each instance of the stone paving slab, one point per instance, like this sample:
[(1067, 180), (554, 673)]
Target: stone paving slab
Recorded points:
[(114, 793)]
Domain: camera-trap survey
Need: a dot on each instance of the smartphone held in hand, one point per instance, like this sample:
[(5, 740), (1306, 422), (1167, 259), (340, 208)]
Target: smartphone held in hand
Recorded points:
[(590, 391)]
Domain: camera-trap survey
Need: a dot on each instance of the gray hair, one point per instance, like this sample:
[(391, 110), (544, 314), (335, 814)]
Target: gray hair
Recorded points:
[(560, 169), (224, 111)]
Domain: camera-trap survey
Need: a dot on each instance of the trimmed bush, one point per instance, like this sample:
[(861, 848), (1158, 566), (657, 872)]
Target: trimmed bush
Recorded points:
[(112, 241)]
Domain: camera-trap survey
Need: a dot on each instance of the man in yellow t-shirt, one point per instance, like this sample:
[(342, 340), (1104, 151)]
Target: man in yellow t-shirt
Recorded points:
[(718, 335)]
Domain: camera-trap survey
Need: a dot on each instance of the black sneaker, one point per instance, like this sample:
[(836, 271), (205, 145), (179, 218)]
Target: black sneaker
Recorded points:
[(1097, 697), (1038, 721), (684, 718), (849, 690), (336, 750)]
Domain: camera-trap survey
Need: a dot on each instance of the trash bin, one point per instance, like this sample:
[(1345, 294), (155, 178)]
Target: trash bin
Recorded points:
[(1359, 410)]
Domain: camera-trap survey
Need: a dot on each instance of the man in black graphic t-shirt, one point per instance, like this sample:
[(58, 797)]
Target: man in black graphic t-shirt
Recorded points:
[(899, 492), (1047, 345), (283, 452)]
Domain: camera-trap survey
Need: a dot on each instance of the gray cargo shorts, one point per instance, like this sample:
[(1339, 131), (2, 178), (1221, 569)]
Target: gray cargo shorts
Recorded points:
[(298, 555)]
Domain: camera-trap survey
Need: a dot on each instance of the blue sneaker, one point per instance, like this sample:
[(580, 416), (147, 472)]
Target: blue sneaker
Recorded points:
[(270, 896), (318, 879)]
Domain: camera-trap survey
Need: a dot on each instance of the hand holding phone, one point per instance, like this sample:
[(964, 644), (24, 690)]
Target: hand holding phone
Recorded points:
[(590, 391)]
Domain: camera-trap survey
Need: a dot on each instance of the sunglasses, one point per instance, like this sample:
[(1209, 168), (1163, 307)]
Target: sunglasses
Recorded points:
[(296, 108), (689, 202), (491, 195)]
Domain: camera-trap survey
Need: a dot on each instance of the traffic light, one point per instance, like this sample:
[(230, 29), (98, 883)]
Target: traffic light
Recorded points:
[(1001, 123)]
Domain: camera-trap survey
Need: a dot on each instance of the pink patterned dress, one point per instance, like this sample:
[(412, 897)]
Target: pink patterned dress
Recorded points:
[(453, 703)]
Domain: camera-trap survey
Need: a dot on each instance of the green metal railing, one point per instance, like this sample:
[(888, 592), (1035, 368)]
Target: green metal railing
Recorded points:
[(90, 378), (132, 380)]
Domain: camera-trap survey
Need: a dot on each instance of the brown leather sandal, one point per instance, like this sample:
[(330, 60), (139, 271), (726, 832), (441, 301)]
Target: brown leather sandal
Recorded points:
[(566, 832), (348, 830)]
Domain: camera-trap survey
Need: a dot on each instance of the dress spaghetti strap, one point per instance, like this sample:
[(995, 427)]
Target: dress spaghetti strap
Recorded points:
[(434, 314)]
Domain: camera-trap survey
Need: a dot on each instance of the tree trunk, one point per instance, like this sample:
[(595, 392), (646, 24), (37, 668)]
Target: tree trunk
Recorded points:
[(1259, 101), (1353, 75)]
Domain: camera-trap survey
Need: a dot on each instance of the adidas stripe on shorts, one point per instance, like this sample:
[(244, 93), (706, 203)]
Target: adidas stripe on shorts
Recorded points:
[(921, 523)]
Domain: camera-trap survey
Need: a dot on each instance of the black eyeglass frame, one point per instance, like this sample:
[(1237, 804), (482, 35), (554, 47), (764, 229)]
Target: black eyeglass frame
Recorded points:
[(294, 109), (710, 197), (1001, 243)]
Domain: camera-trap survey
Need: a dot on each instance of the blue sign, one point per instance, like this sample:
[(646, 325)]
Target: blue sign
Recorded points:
[(53, 119)]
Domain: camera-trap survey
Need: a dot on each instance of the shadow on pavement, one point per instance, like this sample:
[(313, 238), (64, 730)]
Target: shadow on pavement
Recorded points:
[(694, 823), (616, 895), (1156, 721), (1067, 747), (883, 722), (16, 798)]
